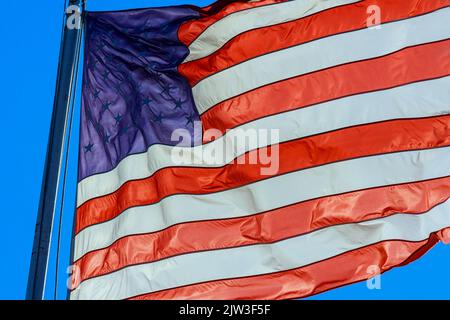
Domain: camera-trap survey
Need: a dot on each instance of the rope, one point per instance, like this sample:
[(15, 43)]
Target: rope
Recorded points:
[(66, 155)]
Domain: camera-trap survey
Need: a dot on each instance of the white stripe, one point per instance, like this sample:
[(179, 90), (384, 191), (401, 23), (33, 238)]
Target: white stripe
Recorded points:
[(319, 54), (268, 194), (416, 100), (262, 259), (216, 35)]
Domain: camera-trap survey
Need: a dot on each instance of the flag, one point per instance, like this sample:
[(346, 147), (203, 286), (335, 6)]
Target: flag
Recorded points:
[(260, 149)]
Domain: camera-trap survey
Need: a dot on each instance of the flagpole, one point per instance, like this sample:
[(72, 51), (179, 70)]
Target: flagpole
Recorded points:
[(49, 189)]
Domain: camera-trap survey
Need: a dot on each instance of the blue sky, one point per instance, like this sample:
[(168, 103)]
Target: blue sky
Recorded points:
[(28, 57)]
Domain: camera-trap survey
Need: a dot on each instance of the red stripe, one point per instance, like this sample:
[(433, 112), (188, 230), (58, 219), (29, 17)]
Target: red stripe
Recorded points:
[(344, 269), (405, 66), (265, 227), (336, 20), (389, 136), (444, 235), (190, 30)]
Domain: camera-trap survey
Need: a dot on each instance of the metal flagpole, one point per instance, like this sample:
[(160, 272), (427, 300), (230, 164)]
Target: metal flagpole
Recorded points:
[(49, 190)]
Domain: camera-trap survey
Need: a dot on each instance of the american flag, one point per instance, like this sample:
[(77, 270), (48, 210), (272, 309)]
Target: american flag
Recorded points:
[(357, 94)]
